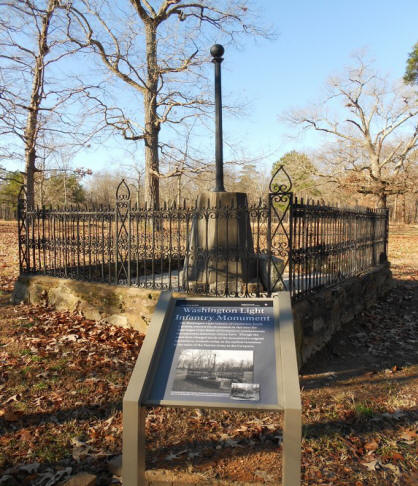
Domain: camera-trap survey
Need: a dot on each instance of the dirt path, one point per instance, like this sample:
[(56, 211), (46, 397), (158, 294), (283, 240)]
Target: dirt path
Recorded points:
[(63, 377)]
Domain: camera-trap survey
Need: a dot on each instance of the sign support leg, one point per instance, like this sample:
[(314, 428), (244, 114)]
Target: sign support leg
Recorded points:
[(133, 452), (291, 447), (292, 427)]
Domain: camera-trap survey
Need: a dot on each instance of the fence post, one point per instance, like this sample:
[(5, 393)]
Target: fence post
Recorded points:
[(22, 230), (123, 233), (280, 194), (385, 245), (64, 239), (269, 253), (373, 216), (291, 289)]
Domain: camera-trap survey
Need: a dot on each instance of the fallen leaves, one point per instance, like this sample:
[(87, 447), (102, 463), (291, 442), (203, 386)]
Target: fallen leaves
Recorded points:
[(408, 436), (63, 377), (9, 414), (371, 465), (371, 446), (25, 435), (368, 413), (14, 398), (60, 375), (80, 449), (375, 465)]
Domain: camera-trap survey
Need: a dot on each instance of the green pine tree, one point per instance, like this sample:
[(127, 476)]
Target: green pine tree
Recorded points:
[(301, 171), (411, 72), (10, 184)]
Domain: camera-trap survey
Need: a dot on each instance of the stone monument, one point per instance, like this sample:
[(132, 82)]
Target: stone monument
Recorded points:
[(221, 254)]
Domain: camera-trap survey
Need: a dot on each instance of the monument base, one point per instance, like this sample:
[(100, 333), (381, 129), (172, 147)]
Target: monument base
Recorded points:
[(221, 254)]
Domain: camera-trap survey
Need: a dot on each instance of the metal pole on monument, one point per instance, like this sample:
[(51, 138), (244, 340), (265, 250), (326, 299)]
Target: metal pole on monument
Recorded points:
[(217, 52)]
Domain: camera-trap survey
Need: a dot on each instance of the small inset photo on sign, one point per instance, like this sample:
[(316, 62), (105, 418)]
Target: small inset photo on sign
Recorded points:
[(212, 370), (245, 391)]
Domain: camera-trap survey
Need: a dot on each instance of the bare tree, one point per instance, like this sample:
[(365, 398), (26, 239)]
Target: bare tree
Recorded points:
[(135, 180), (183, 162), (157, 54), (23, 56), (33, 98), (373, 131), (101, 187)]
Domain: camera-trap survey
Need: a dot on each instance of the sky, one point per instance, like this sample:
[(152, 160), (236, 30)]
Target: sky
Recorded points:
[(314, 40)]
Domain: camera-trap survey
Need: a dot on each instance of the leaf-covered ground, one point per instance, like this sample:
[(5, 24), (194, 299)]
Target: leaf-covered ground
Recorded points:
[(63, 377)]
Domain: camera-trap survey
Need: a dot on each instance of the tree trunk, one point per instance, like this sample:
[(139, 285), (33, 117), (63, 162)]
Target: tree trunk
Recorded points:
[(178, 190), (152, 125), (30, 157), (416, 211), (382, 200), (138, 188), (32, 123), (30, 136)]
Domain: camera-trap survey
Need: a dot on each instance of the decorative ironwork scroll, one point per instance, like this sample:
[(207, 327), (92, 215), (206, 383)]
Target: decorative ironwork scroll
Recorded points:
[(279, 244), (123, 234), (23, 231)]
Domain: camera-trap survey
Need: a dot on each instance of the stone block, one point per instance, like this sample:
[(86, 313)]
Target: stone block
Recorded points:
[(115, 466), (20, 291), (118, 320), (80, 479), (320, 315), (121, 306), (277, 269), (318, 324), (221, 241), (239, 287)]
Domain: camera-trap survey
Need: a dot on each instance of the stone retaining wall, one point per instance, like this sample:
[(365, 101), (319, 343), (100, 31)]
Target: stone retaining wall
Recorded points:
[(317, 317), (122, 306)]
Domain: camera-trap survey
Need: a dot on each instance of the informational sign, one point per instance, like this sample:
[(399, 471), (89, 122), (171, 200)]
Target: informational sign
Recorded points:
[(218, 351), (225, 353)]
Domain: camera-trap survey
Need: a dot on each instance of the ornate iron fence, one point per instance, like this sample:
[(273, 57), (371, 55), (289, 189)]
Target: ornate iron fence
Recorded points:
[(331, 244), (289, 244)]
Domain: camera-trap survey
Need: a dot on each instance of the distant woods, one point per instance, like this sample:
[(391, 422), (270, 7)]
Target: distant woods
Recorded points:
[(100, 188), (313, 181)]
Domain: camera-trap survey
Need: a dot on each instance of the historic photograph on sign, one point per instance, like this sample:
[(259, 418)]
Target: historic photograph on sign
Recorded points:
[(245, 391), (207, 370)]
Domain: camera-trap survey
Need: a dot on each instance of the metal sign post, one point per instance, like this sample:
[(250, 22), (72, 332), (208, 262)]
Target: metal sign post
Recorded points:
[(215, 353)]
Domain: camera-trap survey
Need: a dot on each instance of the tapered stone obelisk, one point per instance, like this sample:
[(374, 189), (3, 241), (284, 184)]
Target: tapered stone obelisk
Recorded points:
[(221, 254)]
